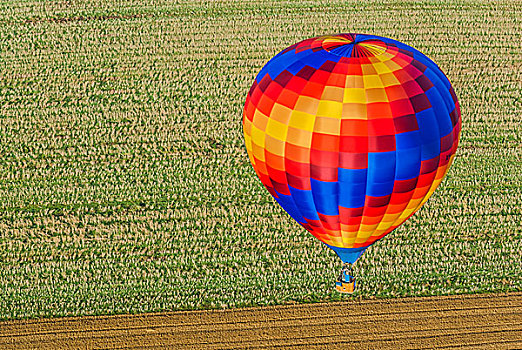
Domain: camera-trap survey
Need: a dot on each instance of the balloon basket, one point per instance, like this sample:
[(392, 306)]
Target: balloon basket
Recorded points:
[(346, 282)]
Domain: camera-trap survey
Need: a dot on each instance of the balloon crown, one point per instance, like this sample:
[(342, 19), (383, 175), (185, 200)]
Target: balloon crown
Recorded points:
[(345, 45)]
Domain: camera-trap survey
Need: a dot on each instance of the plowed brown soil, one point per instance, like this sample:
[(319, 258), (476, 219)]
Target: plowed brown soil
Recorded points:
[(471, 322)]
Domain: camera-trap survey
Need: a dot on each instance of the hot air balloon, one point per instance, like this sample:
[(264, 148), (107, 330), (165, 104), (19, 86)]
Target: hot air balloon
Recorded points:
[(351, 134)]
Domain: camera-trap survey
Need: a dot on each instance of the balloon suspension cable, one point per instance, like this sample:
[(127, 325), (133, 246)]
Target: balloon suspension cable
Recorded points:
[(346, 281)]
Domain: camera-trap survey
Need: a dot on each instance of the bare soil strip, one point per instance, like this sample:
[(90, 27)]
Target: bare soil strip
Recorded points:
[(467, 321)]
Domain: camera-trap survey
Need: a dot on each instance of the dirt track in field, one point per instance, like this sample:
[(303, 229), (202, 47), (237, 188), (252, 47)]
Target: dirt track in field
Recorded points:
[(473, 321)]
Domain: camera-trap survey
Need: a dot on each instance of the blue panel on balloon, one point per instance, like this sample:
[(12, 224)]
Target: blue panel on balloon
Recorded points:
[(441, 111), (296, 61), (352, 187), (438, 79), (319, 58), (289, 205), (407, 140), (326, 196), (344, 50), (430, 150), (442, 79), (378, 189), (381, 167), (355, 176), (408, 163), (348, 255), (281, 62), (304, 201), (352, 195), (428, 125), (273, 68), (430, 134)]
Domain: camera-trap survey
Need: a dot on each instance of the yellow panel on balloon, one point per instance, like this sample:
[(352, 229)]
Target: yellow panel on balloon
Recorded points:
[(372, 82), (276, 129), (383, 226), (258, 136), (381, 68), (354, 96), (348, 241), (349, 236), (337, 241), (330, 109), (302, 121), (248, 142), (378, 232), (365, 231)]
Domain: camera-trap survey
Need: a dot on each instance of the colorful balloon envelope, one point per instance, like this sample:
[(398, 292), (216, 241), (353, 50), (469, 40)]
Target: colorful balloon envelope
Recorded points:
[(351, 134)]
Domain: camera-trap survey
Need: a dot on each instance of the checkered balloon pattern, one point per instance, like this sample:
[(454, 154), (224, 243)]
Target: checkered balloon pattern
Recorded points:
[(351, 134)]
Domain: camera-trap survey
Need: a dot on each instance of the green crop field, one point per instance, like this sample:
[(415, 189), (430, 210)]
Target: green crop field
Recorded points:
[(124, 182)]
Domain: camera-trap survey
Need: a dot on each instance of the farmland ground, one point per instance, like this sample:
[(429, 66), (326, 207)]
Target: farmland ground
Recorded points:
[(125, 186), (464, 322)]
